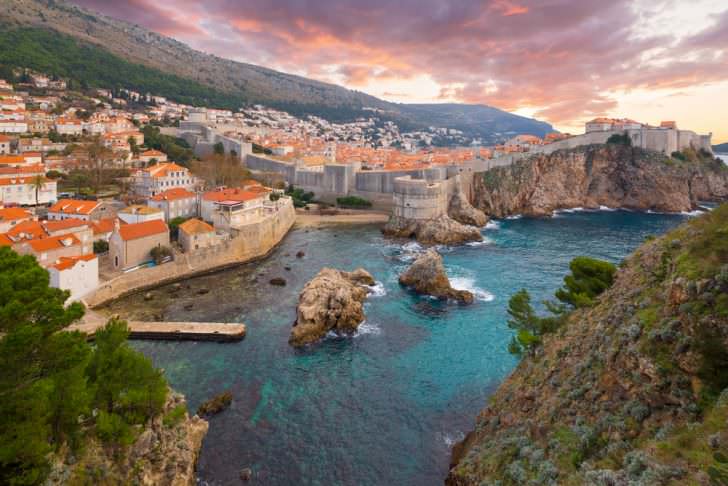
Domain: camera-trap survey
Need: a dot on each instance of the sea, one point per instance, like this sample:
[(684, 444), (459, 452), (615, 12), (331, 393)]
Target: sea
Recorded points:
[(723, 157), (385, 406)]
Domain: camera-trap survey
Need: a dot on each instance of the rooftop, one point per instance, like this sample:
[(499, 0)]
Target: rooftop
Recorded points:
[(142, 230), (74, 206), (195, 226)]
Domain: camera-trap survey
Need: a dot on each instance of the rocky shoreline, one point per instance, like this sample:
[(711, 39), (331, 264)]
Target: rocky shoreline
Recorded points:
[(590, 177)]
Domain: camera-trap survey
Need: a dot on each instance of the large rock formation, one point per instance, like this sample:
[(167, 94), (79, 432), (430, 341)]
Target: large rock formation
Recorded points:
[(460, 209), (612, 175), (438, 231), (427, 275), (164, 454), (629, 391), (331, 301)]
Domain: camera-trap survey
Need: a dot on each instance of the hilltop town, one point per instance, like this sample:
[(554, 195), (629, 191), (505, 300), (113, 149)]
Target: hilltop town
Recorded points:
[(100, 183)]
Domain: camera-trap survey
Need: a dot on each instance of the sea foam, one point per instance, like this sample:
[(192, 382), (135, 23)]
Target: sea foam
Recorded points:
[(467, 283)]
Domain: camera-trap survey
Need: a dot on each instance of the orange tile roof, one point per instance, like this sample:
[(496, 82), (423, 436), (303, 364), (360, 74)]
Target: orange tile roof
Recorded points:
[(233, 194), (51, 226), (26, 230), (74, 206), (64, 263), (105, 225), (11, 181), (37, 169), (12, 159), (5, 241), (162, 169), (13, 214), (141, 230), (173, 194), (195, 226), (153, 153), (5, 138), (53, 242)]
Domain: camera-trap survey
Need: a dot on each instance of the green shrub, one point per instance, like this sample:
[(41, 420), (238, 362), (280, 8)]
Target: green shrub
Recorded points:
[(159, 253), (620, 139), (175, 416), (589, 277), (101, 246), (353, 202)]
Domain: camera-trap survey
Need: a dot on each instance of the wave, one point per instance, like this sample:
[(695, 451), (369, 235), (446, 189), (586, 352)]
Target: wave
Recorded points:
[(577, 209), (485, 241), (515, 216), (377, 290), (467, 283), (695, 212), (492, 225), (412, 246), (367, 328), (606, 208), (452, 438)]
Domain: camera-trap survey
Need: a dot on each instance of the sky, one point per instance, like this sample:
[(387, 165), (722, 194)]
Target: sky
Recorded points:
[(561, 61)]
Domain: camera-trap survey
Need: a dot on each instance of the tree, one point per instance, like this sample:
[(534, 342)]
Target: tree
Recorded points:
[(620, 139), (101, 246), (174, 224), (133, 146), (159, 253), (37, 182), (525, 322), (100, 157), (589, 277), (218, 149)]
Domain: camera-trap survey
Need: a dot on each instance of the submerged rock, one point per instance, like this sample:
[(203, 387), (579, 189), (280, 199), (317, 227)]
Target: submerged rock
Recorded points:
[(216, 404), (278, 281), (331, 301), (439, 231), (427, 276)]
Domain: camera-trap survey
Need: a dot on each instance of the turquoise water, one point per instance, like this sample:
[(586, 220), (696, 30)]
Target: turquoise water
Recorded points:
[(384, 407)]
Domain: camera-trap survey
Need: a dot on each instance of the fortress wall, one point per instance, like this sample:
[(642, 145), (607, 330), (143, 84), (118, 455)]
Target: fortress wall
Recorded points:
[(418, 198), (264, 164), (252, 241)]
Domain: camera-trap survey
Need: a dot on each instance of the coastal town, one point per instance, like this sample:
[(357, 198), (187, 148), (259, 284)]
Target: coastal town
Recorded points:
[(100, 183)]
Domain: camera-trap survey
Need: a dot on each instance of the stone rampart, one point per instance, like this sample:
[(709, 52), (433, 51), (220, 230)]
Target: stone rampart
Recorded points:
[(252, 241)]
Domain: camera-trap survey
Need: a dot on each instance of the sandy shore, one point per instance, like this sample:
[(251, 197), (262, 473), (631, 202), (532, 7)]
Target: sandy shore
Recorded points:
[(306, 219)]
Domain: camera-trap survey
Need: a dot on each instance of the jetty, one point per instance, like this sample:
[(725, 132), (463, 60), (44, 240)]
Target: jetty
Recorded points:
[(167, 331)]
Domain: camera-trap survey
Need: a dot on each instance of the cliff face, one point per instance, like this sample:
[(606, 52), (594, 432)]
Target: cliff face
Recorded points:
[(627, 392), (164, 453), (615, 176)]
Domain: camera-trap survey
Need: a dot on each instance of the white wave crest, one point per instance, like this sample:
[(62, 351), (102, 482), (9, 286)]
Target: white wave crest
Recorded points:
[(606, 208), (377, 290), (485, 241), (515, 216), (451, 438), (367, 328), (467, 283), (492, 225)]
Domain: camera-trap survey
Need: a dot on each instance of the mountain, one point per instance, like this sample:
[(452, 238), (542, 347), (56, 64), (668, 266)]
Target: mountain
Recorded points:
[(240, 82), (631, 390), (721, 148)]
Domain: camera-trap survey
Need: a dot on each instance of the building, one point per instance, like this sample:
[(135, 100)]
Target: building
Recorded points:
[(9, 217), (175, 203), (13, 126), (138, 213), (85, 210), (79, 228), (79, 275), (131, 244), (49, 249), (27, 191), (6, 144), (246, 199), (153, 156), (69, 126), (162, 177), (195, 234), (103, 228)]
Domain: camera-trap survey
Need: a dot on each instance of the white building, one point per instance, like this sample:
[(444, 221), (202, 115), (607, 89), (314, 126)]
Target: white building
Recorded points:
[(67, 126), (13, 126), (79, 275), (248, 200), (162, 177), (175, 203), (139, 213), (22, 191), (74, 208)]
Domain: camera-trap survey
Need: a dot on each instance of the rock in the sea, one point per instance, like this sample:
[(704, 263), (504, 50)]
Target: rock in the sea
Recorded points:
[(331, 301), (427, 276), (246, 474), (439, 231), (278, 281), (300, 254), (215, 404)]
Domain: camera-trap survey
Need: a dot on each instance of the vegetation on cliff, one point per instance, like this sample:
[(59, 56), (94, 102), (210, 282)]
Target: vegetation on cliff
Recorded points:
[(630, 389), (58, 393)]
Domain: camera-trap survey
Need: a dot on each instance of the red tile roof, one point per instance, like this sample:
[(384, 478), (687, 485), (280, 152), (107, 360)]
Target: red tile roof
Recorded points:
[(53, 242), (74, 206), (234, 194), (173, 194), (51, 226), (105, 225), (195, 226), (13, 214), (141, 230), (64, 263)]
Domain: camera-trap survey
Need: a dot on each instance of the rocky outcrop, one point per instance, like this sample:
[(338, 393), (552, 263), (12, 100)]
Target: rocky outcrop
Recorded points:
[(332, 301), (615, 176), (439, 231), (627, 391), (460, 209), (164, 453), (427, 276)]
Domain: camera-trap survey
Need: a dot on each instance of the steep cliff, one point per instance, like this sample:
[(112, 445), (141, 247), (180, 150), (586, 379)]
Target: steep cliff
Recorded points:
[(164, 452), (615, 176), (629, 391)]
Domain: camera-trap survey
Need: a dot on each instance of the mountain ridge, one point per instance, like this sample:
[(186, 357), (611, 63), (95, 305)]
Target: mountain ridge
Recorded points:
[(256, 84)]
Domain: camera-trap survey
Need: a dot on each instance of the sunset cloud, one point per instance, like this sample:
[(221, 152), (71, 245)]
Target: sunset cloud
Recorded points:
[(562, 60)]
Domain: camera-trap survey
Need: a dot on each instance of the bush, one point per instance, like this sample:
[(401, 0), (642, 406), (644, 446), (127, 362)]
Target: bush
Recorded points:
[(174, 225), (353, 202), (620, 139), (175, 416), (101, 246), (589, 277), (160, 253)]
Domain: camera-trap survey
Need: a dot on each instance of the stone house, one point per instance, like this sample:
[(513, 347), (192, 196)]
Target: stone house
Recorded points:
[(131, 244), (195, 234), (76, 208), (177, 202)]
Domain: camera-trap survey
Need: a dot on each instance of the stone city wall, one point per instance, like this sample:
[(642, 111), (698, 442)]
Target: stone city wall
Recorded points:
[(252, 241)]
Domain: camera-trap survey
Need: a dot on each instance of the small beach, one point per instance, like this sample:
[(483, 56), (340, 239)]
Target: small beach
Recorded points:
[(309, 219)]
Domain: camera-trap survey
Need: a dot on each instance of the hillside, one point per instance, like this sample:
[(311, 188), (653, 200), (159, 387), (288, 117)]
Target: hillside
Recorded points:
[(241, 82), (721, 148), (611, 175), (629, 391)]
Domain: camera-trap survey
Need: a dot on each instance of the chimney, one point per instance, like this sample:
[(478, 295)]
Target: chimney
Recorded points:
[(117, 226)]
